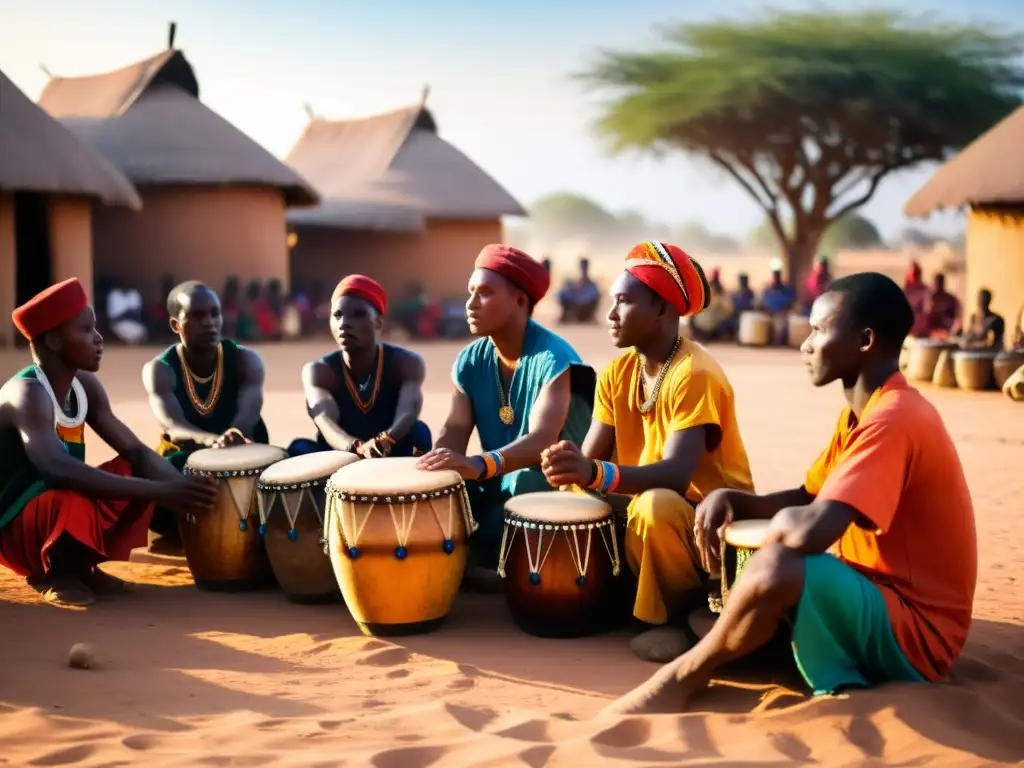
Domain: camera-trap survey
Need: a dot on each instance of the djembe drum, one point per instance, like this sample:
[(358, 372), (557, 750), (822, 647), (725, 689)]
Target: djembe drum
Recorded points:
[(944, 375), (291, 504), (398, 541), (923, 356), (559, 559), (740, 541), (1006, 364), (755, 329), (224, 550), (797, 330), (974, 368)]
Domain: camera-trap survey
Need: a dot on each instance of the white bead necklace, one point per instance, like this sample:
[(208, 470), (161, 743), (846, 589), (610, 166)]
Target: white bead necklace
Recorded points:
[(60, 416)]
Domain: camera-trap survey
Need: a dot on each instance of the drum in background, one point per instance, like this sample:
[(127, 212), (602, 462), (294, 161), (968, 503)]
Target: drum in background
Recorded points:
[(291, 504), (974, 368), (225, 553), (944, 375), (559, 559), (1005, 364), (755, 329), (739, 542), (798, 329), (924, 356), (1013, 387), (398, 538)]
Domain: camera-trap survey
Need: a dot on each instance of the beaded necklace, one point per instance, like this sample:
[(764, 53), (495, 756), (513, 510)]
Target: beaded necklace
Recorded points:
[(354, 390), (61, 417), (203, 406), (653, 390)]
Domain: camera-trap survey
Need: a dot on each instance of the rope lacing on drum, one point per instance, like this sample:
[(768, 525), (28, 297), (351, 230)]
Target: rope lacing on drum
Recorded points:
[(580, 557)]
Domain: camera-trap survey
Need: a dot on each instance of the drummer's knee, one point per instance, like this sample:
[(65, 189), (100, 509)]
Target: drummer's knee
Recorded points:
[(660, 509), (776, 571)]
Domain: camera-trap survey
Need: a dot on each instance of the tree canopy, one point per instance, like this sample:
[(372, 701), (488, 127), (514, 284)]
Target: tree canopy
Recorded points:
[(809, 111)]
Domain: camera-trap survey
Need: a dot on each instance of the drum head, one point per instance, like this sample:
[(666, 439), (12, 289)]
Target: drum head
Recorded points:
[(558, 508), (381, 477), (974, 354), (935, 343), (236, 458), (302, 469), (747, 534)]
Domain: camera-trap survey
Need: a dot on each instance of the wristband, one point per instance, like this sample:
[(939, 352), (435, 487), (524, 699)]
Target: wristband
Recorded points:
[(385, 437), (606, 477), (494, 464)]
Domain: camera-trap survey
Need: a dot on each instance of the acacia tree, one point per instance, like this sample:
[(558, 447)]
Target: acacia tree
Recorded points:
[(809, 111)]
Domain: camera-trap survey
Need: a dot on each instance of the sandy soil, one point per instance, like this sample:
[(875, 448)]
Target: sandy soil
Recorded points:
[(187, 678)]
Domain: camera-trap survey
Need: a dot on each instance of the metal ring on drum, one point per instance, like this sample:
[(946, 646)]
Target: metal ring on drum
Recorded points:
[(974, 369), (559, 559), (292, 499), (398, 539), (755, 329), (739, 542), (223, 548)]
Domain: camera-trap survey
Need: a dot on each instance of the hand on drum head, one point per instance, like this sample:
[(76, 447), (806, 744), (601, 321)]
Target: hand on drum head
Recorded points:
[(191, 494), (228, 439), (713, 515), (446, 458), (374, 449), (564, 464)]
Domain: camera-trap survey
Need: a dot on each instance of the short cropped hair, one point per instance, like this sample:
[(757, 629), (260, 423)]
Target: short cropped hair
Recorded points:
[(875, 301), (182, 289)]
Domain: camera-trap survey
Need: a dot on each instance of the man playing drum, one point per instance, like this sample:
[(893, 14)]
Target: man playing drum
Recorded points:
[(666, 411), (205, 391), (59, 517), (521, 386), (874, 560), (366, 397)]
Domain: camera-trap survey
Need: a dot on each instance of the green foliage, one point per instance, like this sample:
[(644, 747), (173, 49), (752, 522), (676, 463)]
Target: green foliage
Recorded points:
[(850, 232)]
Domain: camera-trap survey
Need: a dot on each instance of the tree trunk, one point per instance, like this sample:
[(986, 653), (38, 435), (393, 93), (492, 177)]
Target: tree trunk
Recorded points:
[(800, 254)]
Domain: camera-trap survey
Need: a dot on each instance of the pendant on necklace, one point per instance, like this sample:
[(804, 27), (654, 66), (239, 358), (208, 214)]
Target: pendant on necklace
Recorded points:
[(506, 415)]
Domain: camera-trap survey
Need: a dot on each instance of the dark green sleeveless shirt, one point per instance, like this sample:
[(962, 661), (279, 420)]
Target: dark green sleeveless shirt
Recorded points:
[(20, 481)]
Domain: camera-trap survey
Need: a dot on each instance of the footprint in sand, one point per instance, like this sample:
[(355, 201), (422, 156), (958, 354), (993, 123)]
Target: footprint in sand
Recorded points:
[(536, 757), (333, 725), (373, 703), (396, 674), (141, 742), (531, 730), (266, 725), (461, 684), (631, 732), (792, 747), (389, 657), (473, 719), (66, 756), (408, 757)]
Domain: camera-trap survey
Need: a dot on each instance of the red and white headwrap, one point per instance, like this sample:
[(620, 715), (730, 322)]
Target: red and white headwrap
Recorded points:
[(50, 309), (672, 274), (365, 288)]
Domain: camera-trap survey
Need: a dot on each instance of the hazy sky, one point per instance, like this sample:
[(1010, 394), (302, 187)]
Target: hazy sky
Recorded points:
[(498, 73)]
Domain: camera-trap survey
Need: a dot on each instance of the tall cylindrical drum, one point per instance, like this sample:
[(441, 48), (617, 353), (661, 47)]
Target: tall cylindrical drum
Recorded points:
[(974, 368), (755, 329), (944, 375), (923, 357), (739, 542)]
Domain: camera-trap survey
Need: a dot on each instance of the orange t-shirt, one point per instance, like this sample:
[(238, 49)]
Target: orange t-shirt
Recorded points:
[(899, 468), (695, 392)]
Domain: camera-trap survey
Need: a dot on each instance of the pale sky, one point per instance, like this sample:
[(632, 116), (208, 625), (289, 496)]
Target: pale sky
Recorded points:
[(499, 77)]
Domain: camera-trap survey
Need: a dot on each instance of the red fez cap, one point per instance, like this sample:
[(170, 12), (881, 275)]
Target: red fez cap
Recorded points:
[(50, 309), (672, 274), (523, 270), (364, 288)]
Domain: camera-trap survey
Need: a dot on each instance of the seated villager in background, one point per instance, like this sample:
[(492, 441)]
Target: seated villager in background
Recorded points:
[(126, 314), (874, 560), (714, 323), (578, 298), (59, 517), (665, 413), (944, 314), (205, 391), (521, 386), (778, 300), (985, 329), (366, 396)]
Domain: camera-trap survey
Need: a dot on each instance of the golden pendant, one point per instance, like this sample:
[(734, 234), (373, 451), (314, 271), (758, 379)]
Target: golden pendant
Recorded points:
[(506, 415)]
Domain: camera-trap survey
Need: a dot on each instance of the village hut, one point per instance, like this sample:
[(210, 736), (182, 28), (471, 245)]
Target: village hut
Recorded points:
[(987, 177), (48, 181), (400, 204), (213, 199)]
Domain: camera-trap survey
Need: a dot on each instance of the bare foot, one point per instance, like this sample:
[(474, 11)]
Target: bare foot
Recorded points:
[(660, 645), (103, 583), (668, 691), (72, 592)]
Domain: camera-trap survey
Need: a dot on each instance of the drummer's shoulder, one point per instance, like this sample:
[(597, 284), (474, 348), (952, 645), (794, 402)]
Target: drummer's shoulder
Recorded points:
[(249, 360), (410, 365)]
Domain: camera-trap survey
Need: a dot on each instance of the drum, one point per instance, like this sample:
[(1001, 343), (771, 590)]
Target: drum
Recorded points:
[(291, 504), (559, 559), (224, 552), (974, 368), (799, 328), (1013, 387), (944, 375), (740, 540), (398, 541), (1005, 364), (755, 329), (923, 357)]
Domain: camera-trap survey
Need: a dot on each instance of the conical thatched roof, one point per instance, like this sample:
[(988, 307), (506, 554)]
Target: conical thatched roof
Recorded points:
[(988, 170), (382, 164), (169, 137), (38, 154)]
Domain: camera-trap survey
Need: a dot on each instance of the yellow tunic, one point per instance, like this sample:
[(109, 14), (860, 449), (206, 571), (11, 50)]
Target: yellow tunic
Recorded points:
[(660, 546)]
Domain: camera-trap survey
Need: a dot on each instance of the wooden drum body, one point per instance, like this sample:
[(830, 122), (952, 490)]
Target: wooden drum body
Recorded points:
[(798, 329), (1006, 364), (739, 542), (398, 539), (560, 559), (224, 550), (974, 368), (924, 356), (292, 500), (755, 329), (944, 375)]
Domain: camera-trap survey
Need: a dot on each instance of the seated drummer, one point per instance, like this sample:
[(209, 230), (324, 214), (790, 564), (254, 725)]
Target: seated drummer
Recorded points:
[(205, 391), (521, 386), (59, 517), (874, 560), (366, 396), (985, 329), (666, 411)]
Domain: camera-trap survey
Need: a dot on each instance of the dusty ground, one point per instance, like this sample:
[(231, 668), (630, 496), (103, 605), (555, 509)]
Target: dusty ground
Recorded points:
[(190, 678)]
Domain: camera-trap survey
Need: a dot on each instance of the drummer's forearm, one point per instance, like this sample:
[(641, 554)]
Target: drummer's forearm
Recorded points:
[(524, 452), (178, 432), (334, 435), (751, 506), (149, 464), (812, 528), (250, 406), (410, 403)]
